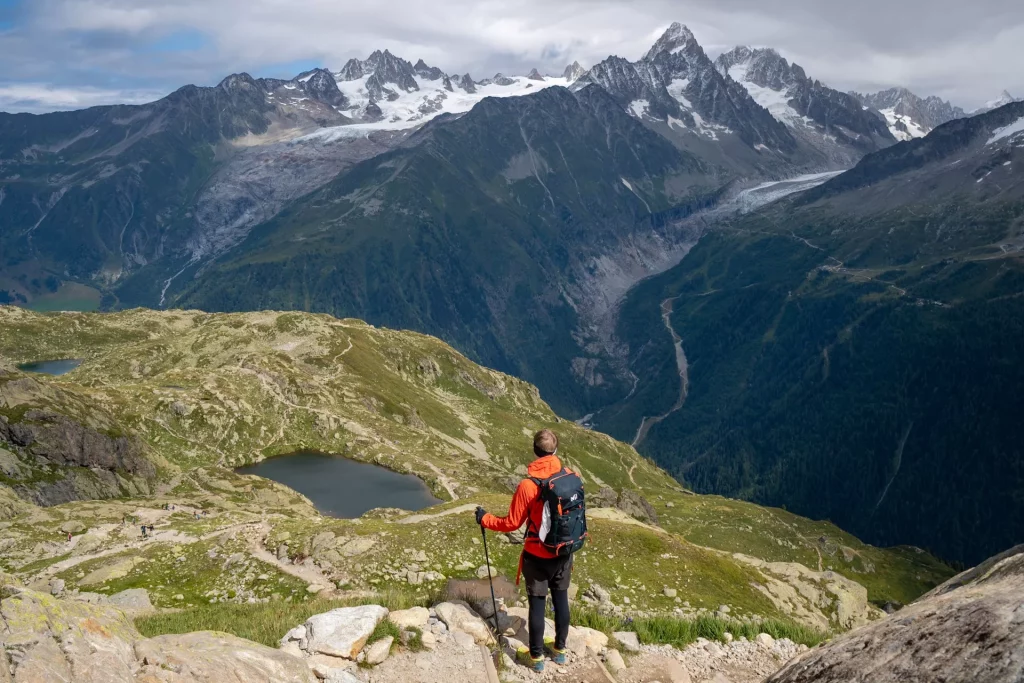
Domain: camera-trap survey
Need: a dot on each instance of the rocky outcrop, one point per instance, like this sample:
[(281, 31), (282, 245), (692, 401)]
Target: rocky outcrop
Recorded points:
[(63, 441), (823, 600), (969, 629), (79, 462)]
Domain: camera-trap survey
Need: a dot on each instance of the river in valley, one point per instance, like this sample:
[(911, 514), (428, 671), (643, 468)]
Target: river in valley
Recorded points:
[(344, 488), (51, 367)]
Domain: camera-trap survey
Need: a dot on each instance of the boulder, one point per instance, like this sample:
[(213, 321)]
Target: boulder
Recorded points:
[(72, 526), (133, 600), (628, 639), (56, 586), (210, 656), (344, 631), (765, 641), (414, 617), (670, 592), (458, 616), (484, 571), (379, 651), (968, 629)]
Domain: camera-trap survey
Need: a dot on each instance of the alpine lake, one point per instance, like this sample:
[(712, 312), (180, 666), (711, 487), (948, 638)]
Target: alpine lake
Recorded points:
[(344, 488), (51, 367)]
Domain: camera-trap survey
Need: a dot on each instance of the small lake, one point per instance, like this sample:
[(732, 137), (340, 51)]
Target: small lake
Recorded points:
[(344, 488), (51, 367)]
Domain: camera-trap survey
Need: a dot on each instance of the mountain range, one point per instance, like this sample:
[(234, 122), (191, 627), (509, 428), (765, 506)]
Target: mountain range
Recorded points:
[(544, 226)]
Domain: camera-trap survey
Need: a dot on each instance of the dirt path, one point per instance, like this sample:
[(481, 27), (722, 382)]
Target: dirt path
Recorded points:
[(158, 536), (684, 380), (310, 573)]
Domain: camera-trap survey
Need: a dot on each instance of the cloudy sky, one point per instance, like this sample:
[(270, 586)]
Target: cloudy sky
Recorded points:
[(60, 54)]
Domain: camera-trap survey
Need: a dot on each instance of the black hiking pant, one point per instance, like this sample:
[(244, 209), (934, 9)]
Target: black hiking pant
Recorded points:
[(543, 575)]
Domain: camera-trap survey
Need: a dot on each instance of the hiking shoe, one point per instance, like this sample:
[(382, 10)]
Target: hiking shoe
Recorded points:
[(558, 656), (524, 657)]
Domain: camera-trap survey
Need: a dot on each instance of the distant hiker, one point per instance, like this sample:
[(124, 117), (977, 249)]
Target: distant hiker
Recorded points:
[(69, 537), (550, 502), (143, 530)]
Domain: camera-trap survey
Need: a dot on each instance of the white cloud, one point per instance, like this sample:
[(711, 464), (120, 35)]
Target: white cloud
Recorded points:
[(40, 97), (966, 51)]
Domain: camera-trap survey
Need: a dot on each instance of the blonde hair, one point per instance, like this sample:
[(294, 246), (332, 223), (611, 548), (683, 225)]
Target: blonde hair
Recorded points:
[(545, 442)]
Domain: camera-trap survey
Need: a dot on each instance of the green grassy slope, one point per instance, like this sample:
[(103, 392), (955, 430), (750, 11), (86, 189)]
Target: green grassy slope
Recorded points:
[(206, 392)]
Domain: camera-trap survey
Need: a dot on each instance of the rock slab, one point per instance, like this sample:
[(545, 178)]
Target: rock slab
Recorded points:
[(210, 656), (969, 629), (344, 631)]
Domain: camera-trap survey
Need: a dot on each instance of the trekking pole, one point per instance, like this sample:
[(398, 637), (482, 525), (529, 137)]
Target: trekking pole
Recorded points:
[(490, 580)]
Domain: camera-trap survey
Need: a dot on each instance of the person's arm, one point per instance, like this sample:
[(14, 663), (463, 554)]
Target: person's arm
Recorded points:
[(518, 509)]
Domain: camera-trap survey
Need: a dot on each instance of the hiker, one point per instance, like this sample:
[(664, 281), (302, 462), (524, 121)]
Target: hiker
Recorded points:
[(143, 530), (550, 502), (69, 537)]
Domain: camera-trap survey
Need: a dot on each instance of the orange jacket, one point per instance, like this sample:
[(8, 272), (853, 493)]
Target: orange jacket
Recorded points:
[(526, 505)]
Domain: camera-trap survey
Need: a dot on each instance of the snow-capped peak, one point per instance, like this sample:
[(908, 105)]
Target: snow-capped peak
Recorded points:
[(573, 72), (675, 38), (386, 92), (1003, 99)]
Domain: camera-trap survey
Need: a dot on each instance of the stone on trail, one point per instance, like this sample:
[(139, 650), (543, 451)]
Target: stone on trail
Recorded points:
[(464, 640), (628, 639), (344, 631), (379, 651), (483, 571), (765, 640), (210, 656), (341, 676), (615, 662), (414, 617), (459, 617)]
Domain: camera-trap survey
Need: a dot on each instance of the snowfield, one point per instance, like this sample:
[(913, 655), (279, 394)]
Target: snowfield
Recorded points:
[(415, 108), (1007, 131)]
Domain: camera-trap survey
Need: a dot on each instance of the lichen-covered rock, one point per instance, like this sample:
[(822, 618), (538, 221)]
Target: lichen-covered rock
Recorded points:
[(209, 656), (970, 629), (62, 640)]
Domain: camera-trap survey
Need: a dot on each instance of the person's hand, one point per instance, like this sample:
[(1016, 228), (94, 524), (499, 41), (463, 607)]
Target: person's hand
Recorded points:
[(480, 512)]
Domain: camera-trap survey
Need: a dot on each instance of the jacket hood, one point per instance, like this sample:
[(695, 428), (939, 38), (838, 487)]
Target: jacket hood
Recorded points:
[(544, 467)]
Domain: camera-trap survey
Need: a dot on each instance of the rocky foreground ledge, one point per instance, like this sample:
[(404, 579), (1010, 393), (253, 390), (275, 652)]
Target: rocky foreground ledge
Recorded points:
[(970, 629)]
